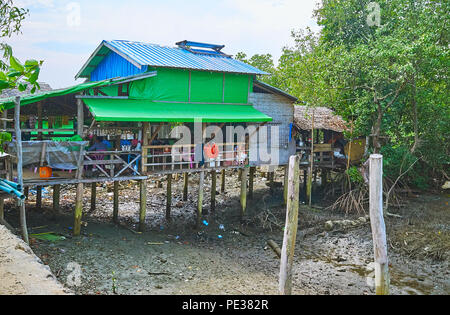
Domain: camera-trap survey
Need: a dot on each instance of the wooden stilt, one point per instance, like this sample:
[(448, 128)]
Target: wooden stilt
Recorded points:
[(78, 210), (26, 192), (244, 191), (200, 200), (251, 181), (116, 203), (309, 186), (79, 175), (290, 230), (39, 197), (169, 197), (222, 189), (93, 196), (186, 186), (240, 174), (56, 197), (271, 178), (213, 191), (143, 204), (23, 218)]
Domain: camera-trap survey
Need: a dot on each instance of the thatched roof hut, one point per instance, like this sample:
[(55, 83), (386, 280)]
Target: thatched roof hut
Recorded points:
[(324, 118)]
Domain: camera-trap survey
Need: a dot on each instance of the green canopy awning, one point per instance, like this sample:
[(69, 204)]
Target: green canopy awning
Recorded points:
[(148, 111), (8, 103)]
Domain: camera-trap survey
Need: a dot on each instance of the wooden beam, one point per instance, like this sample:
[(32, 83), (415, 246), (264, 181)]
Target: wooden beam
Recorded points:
[(290, 230), (378, 225), (145, 143), (80, 117)]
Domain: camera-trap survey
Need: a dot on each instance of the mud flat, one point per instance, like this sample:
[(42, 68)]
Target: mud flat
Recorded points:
[(228, 257)]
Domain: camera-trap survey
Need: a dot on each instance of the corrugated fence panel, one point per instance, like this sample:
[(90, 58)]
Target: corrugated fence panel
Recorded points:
[(113, 66)]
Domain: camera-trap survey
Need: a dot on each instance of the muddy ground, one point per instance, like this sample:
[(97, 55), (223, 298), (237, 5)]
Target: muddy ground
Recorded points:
[(228, 257)]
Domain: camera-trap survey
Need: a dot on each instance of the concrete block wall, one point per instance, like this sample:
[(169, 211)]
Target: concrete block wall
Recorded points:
[(281, 109)]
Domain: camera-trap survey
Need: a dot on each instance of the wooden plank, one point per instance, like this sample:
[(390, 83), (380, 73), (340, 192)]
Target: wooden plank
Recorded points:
[(290, 230), (378, 225)]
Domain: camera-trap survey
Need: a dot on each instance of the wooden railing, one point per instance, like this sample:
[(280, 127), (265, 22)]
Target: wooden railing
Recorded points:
[(163, 158), (112, 163)]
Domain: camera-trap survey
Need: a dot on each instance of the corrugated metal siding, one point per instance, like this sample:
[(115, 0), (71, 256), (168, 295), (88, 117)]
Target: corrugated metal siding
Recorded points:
[(113, 66)]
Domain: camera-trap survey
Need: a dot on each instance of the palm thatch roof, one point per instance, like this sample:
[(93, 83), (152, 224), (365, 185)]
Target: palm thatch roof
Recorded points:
[(15, 92), (324, 118)]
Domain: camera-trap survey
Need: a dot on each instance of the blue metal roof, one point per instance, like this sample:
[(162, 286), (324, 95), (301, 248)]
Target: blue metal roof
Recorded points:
[(144, 54)]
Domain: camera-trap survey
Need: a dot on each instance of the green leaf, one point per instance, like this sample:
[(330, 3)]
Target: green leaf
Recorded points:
[(13, 73), (22, 87), (15, 64), (4, 84), (31, 63), (33, 78)]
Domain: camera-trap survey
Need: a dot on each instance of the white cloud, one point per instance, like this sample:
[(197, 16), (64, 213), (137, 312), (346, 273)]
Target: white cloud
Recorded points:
[(252, 26)]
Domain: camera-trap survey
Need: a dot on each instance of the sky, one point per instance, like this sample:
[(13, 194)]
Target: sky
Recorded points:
[(65, 33)]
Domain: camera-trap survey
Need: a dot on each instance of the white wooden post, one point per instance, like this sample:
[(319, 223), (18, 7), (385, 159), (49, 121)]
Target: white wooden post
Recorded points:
[(290, 231), (378, 225), (23, 218)]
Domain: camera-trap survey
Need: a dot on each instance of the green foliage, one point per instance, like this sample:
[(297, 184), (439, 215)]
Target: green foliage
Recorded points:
[(389, 79), (354, 175)]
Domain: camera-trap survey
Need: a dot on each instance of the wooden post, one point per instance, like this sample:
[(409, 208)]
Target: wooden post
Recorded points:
[(377, 224), (39, 197), (286, 184), (311, 167), (145, 128), (222, 189), (23, 219), (56, 197), (186, 186), (271, 183), (79, 175), (80, 117), (251, 181), (244, 176), (169, 197), (116, 202), (143, 204), (213, 191), (200, 199), (290, 231), (93, 196)]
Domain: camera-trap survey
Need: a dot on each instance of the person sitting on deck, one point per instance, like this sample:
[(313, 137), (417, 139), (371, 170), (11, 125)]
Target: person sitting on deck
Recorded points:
[(99, 145)]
